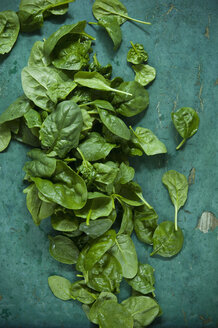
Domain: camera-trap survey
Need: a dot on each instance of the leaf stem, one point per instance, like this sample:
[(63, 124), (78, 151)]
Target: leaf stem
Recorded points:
[(92, 23), (134, 47), (120, 91), (88, 36), (133, 19), (176, 212), (88, 217), (181, 143)]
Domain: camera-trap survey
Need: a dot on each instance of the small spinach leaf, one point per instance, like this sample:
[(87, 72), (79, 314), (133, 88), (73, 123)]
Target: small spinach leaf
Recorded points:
[(5, 137), (17, 109), (9, 30), (145, 223), (82, 293), (143, 282), (65, 222), (60, 287), (41, 165), (145, 74), (63, 249), (186, 122), (137, 55)]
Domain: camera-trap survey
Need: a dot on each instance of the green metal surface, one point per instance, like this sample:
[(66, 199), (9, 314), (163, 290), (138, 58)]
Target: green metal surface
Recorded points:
[(183, 46)]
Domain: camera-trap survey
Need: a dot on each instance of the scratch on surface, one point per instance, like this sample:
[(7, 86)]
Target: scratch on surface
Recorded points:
[(205, 321), (171, 8), (207, 29), (207, 221), (216, 82), (0, 297), (200, 98), (191, 177), (175, 102), (185, 317), (159, 113)]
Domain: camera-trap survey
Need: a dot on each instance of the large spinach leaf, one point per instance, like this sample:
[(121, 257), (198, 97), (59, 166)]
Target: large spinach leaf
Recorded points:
[(113, 29), (60, 131)]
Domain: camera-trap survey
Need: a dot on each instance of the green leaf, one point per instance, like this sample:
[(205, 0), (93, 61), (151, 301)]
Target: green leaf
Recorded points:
[(114, 124), (145, 74), (60, 131), (131, 194), (98, 248), (63, 249), (67, 188), (132, 104), (177, 185), (137, 54), (9, 30), (112, 8), (106, 275), (143, 282), (72, 55), (104, 296), (17, 109), (82, 293), (31, 12), (145, 223), (147, 141), (95, 80), (95, 147), (38, 208), (5, 137), (37, 56), (125, 253), (113, 29), (126, 226), (60, 287), (41, 165), (65, 222), (126, 174), (26, 135), (97, 205), (167, 241), (186, 122), (143, 309), (45, 86), (64, 30), (33, 119)]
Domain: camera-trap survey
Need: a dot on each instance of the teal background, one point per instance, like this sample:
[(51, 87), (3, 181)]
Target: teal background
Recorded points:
[(187, 75)]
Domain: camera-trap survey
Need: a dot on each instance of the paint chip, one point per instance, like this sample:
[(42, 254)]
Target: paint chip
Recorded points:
[(207, 221)]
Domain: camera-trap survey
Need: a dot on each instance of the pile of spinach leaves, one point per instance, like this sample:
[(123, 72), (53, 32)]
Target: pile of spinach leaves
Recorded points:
[(72, 114)]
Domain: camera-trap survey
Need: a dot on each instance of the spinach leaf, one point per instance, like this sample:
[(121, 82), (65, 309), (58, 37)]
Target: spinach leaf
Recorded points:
[(98, 248), (45, 86), (64, 221), (126, 226), (41, 165), (38, 208), (137, 55), (143, 309), (145, 223), (167, 241), (105, 275), (32, 12), (82, 293), (60, 131), (125, 253), (60, 287), (9, 30), (63, 249), (143, 282), (5, 137), (114, 124), (105, 176), (126, 174), (74, 56), (112, 8), (97, 205), (113, 29), (95, 147), (33, 119), (98, 227), (177, 185), (17, 109), (147, 141), (95, 80), (112, 314), (145, 74), (37, 56), (67, 188), (26, 135), (104, 296), (131, 194), (186, 122), (106, 71), (134, 100)]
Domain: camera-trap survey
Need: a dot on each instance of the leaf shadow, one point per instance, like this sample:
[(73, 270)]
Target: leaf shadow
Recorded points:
[(58, 19), (154, 162)]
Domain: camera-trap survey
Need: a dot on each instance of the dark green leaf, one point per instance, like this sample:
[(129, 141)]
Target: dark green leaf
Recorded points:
[(143, 282), (41, 165), (65, 222), (104, 296), (145, 223), (16, 110), (186, 122), (82, 293), (112, 8), (130, 105), (113, 29), (5, 137), (60, 131), (33, 119), (127, 220), (63, 249)]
